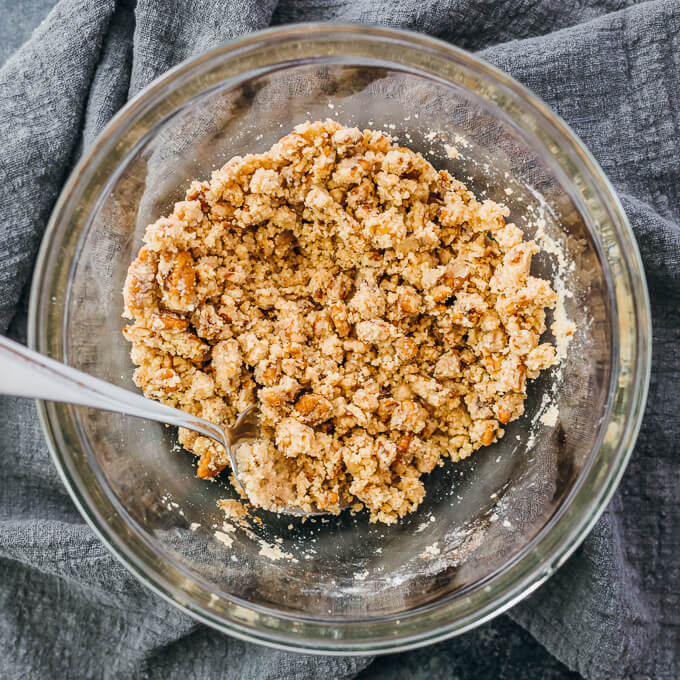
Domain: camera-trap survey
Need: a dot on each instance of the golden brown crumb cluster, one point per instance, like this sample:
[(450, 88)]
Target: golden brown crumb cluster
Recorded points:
[(380, 315)]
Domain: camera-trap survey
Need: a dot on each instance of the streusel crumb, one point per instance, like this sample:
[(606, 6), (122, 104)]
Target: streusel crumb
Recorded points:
[(381, 316)]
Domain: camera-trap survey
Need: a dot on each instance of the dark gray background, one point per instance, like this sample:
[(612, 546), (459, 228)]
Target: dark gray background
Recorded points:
[(67, 608)]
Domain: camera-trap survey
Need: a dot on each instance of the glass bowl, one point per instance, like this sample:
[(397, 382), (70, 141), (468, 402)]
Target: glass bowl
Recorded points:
[(493, 527)]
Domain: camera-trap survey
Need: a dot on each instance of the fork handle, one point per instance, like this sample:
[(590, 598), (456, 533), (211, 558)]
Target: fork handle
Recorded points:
[(25, 373)]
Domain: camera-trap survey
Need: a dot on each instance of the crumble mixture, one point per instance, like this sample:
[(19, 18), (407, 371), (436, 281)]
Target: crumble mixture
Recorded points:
[(381, 316)]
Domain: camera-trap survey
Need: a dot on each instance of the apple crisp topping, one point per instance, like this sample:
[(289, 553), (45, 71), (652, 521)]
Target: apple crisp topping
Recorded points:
[(380, 315)]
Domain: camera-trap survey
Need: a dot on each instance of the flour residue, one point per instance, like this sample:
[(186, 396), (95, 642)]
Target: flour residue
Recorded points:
[(562, 327), (431, 551), (451, 151), (273, 552), (224, 538), (549, 418)]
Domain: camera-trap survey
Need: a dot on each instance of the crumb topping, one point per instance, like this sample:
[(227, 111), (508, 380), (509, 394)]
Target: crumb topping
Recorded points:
[(381, 316)]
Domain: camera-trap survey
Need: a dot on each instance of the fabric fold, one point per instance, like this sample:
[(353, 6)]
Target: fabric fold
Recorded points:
[(173, 31), (609, 69), (43, 91)]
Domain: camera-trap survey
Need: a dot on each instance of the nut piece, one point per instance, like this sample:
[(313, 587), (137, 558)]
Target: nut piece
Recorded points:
[(405, 349), (486, 431), (207, 467), (314, 408), (408, 300), (509, 407), (167, 321), (403, 445), (338, 314), (179, 285)]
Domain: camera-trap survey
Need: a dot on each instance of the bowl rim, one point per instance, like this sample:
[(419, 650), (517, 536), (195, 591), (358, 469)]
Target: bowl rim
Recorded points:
[(524, 582)]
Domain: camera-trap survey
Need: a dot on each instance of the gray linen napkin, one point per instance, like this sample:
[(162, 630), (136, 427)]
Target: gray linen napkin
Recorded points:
[(609, 67)]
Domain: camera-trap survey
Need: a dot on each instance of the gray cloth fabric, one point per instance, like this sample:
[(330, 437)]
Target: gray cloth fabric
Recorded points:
[(609, 67)]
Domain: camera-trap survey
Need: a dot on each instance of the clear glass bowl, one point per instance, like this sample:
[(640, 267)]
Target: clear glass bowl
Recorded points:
[(500, 522)]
